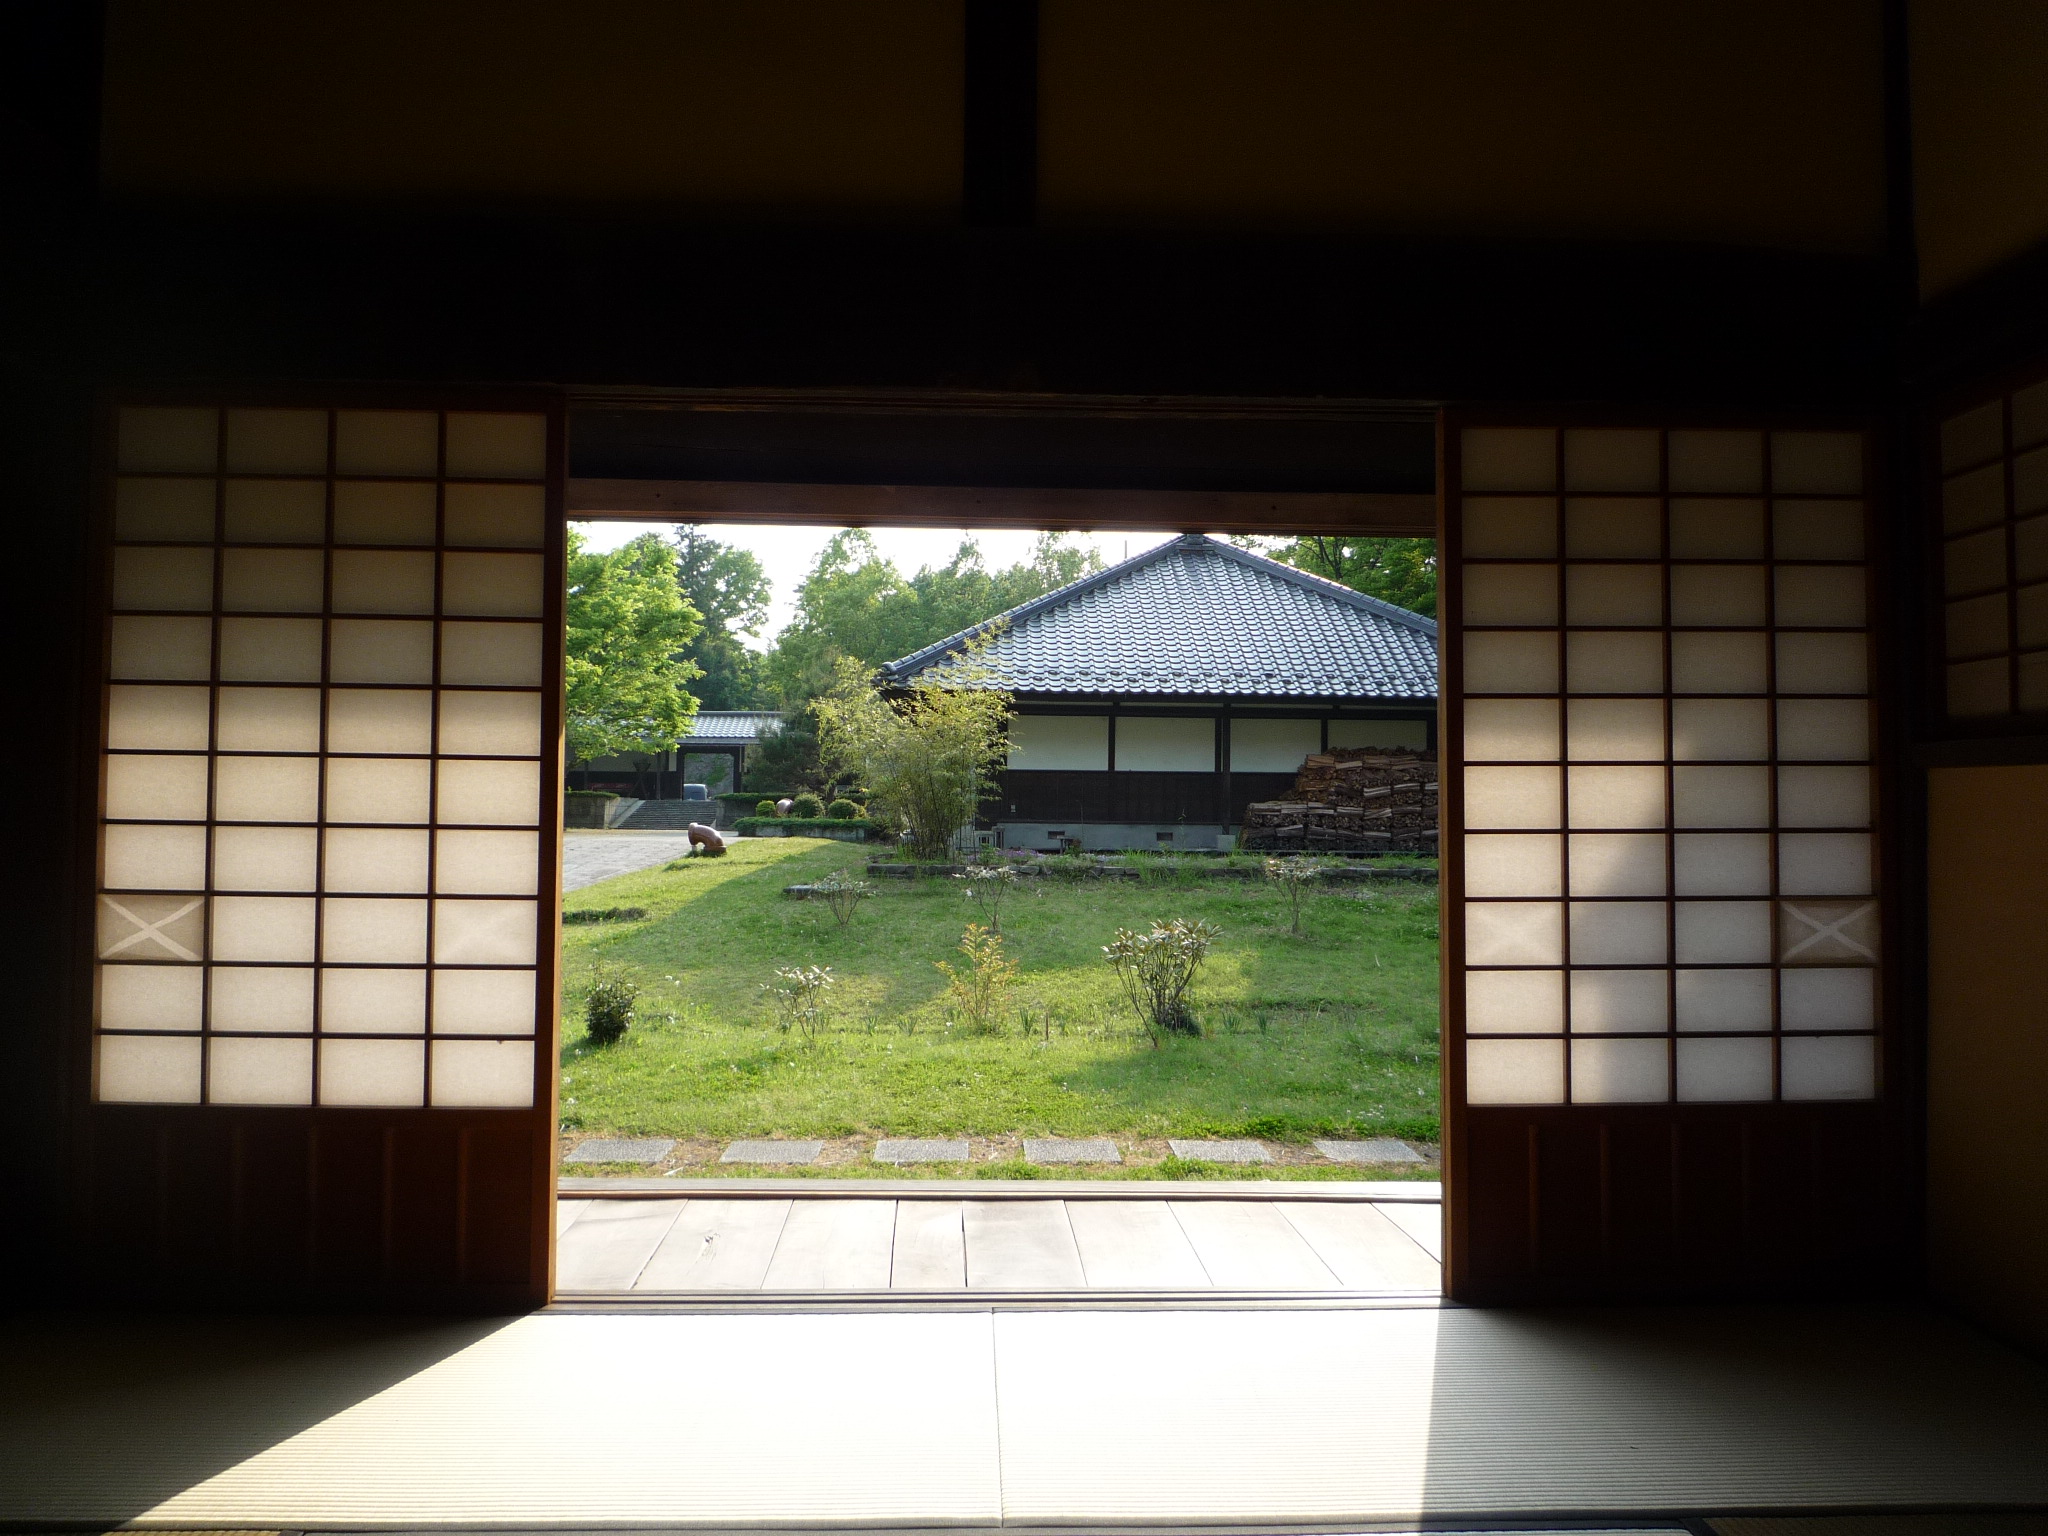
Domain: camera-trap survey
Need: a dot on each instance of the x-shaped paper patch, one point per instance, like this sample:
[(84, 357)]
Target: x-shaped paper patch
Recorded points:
[(1831, 930), (145, 929)]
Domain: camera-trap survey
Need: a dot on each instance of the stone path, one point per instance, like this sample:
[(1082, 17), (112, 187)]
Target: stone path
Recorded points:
[(1048, 1151), (932, 1243), (588, 857)]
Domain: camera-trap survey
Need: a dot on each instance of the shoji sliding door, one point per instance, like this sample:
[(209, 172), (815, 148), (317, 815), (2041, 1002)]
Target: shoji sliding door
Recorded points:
[(322, 1005), (1665, 922)]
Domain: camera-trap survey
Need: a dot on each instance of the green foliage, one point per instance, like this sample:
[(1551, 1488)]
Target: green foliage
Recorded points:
[(980, 991), (798, 994), (797, 826), (764, 808), (987, 887), (608, 1007), (787, 758), (1293, 876), (1156, 969), (843, 894), (927, 755), (624, 679), (728, 587), (844, 809), (806, 806), (1397, 571)]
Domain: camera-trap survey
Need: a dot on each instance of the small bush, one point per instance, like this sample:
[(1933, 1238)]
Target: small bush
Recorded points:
[(798, 994), (806, 806), (607, 914), (765, 808), (1158, 968), (986, 887), (1293, 876), (981, 991), (843, 809), (608, 1009), (843, 895)]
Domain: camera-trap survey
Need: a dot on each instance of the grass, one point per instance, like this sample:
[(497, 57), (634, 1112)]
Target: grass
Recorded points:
[(1330, 1033)]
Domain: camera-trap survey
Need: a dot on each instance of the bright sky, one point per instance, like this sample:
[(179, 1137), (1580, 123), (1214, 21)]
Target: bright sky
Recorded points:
[(787, 554)]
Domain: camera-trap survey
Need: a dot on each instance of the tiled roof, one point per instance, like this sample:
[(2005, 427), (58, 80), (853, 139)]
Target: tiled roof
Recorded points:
[(1196, 616), (732, 725)]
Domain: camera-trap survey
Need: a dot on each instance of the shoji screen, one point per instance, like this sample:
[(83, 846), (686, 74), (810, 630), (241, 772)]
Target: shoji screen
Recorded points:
[(1663, 888), (329, 771), (1993, 460)]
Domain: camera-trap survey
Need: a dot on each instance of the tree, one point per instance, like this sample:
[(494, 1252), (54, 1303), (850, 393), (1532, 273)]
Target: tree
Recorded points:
[(1398, 571), (729, 590), (926, 755), (628, 624)]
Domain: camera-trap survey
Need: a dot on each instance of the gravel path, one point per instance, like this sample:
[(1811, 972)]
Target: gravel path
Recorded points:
[(588, 857)]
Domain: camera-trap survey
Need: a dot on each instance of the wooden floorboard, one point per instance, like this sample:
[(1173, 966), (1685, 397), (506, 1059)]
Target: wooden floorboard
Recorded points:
[(1020, 1245), (614, 1240), (566, 1212), (1247, 1245), (1134, 1245), (717, 1245), (1424, 1223), (930, 1253), (834, 1245), (1362, 1247)]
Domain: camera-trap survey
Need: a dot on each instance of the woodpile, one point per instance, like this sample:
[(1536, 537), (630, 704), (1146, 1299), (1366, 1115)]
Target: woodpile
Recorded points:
[(1352, 800)]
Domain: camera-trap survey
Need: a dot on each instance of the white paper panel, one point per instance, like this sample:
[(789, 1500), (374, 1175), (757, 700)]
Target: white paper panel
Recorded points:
[(496, 586), (383, 512), (1612, 459), (1717, 595), (389, 860), (1844, 1067), (1620, 1002), (1165, 744), (269, 720), (265, 999), (1723, 932), (137, 927), (1812, 730), (151, 997), (1823, 797), (273, 580), (153, 788), (1508, 459), (381, 651), (1514, 933), (483, 1074), (177, 511), (1379, 733), (1513, 730), (2029, 415), (265, 858), (157, 719), (1975, 627), (1510, 527), (1614, 663), (485, 932), (163, 578), (387, 442), (373, 1001), (270, 650), (1972, 437), (1722, 863), (496, 445), (1511, 864), (275, 511), (1613, 528), (2032, 606), (1273, 746), (1514, 1072), (259, 928), (1619, 933), (373, 931), (1615, 796), (1514, 1002), (479, 655), (495, 793), (1038, 743), (383, 581), (1724, 1071), (146, 1069), (380, 720), (2033, 681), (1720, 730), (1721, 1000), (168, 438), (1823, 664), (1817, 463), (1620, 1071), (266, 789), (1617, 864), (1722, 797), (509, 725), (1721, 663), (1510, 662), (148, 858), (514, 516), (487, 863), (1817, 530), (277, 442), (1510, 594), (1614, 595), (259, 1071), (1824, 864), (2030, 544), (1715, 460), (1974, 564), (484, 1002), (152, 650), (1835, 997), (1512, 797), (1718, 528), (1827, 595), (370, 790), (370, 1072), (1976, 688)]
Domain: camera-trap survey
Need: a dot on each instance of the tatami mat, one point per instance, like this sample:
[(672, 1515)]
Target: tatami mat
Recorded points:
[(932, 1419)]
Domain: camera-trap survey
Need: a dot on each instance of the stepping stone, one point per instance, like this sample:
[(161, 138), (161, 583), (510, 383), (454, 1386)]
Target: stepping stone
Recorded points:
[(1053, 1149), (920, 1151), (1380, 1149), (1222, 1151), (772, 1152), (646, 1151)]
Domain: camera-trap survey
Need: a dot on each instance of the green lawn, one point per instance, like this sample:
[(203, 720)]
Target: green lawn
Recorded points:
[(1330, 1032)]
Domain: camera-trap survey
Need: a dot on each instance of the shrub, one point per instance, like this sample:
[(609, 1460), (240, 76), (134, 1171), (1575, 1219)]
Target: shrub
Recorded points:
[(844, 810), (798, 994), (608, 1009), (980, 991), (765, 808), (1293, 876), (806, 807), (986, 888), (1158, 968), (608, 914), (843, 895)]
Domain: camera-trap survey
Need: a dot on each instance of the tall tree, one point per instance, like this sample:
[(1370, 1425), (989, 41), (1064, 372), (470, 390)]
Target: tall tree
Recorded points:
[(628, 625), (1398, 571), (730, 592)]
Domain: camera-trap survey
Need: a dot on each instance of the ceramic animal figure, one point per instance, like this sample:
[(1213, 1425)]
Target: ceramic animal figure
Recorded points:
[(705, 839)]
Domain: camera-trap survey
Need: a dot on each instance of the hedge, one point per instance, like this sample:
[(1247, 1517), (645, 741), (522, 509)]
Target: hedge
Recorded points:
[(753, 826), (589, 794)]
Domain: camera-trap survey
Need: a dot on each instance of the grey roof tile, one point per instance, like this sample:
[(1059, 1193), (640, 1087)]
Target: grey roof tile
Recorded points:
[(1196, 616)]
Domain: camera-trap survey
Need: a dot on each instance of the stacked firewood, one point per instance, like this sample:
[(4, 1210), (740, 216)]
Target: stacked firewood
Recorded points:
[(1352, 800)]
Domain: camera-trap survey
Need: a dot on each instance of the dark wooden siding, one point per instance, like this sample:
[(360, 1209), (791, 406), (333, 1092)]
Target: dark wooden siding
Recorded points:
[(1144, 797)]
